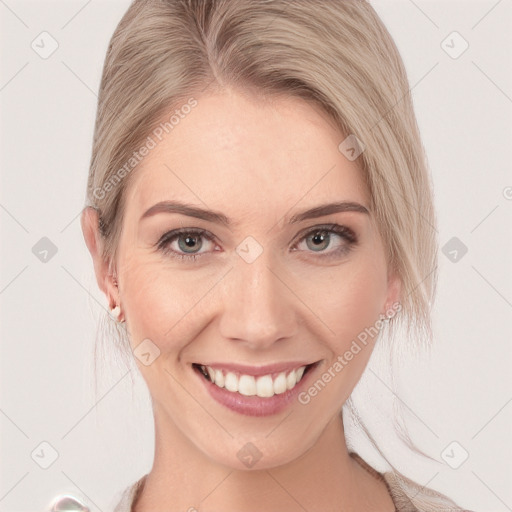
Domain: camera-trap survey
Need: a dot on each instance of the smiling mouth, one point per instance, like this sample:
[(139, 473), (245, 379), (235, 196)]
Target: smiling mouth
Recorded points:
[(263, 386)]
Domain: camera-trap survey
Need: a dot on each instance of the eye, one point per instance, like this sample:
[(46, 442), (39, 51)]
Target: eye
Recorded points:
[(188, 243), (321, 238)]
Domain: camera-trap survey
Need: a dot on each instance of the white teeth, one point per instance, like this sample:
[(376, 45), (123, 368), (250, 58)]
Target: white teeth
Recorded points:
[(248, 385), (231, 382), (265, 386), (280, 384), (219, 378), (291, 380), (211, 373)]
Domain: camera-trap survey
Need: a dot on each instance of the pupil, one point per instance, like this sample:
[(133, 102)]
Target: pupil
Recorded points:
[(319, 238), (189, 242)]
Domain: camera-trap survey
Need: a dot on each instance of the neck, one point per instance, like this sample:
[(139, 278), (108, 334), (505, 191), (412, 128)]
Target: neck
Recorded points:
[(325, 477)]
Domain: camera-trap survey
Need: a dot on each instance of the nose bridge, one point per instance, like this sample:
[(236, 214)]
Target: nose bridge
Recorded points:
[(257, 305)]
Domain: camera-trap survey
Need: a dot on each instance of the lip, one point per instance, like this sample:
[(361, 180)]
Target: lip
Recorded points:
[(255, 405)]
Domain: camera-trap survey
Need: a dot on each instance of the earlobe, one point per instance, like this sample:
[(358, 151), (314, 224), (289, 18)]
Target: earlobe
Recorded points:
[(394, 293), (94, 241)]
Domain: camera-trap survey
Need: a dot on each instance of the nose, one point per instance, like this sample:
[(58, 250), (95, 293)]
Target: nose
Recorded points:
[(258, 306)]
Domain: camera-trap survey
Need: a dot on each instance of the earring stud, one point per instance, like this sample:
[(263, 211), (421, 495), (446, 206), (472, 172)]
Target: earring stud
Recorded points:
[(115, 311)]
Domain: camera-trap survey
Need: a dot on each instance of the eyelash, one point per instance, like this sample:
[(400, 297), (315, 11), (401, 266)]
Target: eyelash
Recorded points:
[(342, 231)]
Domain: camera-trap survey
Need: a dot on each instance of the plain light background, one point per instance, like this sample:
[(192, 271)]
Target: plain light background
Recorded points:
[(461, 393)]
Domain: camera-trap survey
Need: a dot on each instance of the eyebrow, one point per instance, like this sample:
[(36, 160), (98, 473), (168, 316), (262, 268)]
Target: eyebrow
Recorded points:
[(220, 218)]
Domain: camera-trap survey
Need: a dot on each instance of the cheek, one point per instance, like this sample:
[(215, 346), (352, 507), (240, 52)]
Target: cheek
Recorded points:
[(150, 301), (350, 305), (352, 300), (160, 303)]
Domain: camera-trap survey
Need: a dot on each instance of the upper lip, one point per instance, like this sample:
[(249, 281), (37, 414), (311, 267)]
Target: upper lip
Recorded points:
[(258, 370)]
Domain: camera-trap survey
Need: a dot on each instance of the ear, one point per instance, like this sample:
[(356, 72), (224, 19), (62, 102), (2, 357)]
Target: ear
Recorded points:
[(105, 277), (394, 292)]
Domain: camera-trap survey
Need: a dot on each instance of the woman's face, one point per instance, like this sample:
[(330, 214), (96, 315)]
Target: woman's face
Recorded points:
[(257, 283)]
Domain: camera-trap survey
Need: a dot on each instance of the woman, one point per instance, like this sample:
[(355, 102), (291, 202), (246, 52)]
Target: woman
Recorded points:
[(259, 210)]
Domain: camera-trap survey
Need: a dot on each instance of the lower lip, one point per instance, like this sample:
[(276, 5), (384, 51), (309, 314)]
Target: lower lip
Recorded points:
[(254, 405)]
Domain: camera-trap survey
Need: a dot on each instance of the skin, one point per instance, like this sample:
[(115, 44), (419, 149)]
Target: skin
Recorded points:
[(258, 161)]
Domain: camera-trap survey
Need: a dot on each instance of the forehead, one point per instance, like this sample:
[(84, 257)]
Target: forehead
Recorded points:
[(237, 152)]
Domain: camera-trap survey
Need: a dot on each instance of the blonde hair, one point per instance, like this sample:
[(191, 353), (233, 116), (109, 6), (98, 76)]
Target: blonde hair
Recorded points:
[(336, 54)]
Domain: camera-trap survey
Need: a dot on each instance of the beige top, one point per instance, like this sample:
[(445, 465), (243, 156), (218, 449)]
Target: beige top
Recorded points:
[(425, 500)]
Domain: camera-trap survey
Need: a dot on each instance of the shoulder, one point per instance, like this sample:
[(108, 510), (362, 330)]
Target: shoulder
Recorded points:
[(409, 496), (127, 498)]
